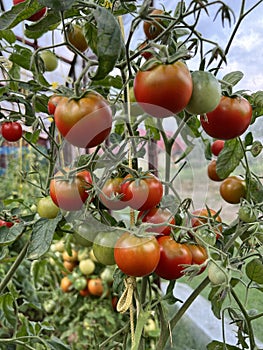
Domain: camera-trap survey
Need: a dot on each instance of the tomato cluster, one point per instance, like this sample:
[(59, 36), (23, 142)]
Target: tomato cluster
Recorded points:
[(232, 188), (82, 273)]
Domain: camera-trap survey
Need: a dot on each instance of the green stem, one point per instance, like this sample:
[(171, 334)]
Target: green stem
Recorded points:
[(247, 319), (166, 330), (13, 268)]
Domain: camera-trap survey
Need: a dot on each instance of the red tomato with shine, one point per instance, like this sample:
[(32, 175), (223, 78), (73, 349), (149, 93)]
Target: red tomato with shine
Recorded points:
[(211, 171), (158, 216), (230, 119), (142, 193), (85, 122), (164, 89), (173, 256), (136, 256), (11, 131), (35, 17), (70, 193)]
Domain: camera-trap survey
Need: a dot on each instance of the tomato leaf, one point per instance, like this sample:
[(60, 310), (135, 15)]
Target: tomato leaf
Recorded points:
[(41, 238), (248, 139), (56, 344), (8, 35), (8, 310), (254, 270), (255, 189), (49, 22), (109, 42), (217, 296), (57, 5), (231, 79), (18, 13), (9, 235), (229, 158), (217, 345)]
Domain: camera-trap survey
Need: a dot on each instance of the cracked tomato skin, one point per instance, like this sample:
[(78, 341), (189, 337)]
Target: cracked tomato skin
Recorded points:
[(136, 256), (84, 122), (164, 89), (173, 256), (70, 194), (229, 119)]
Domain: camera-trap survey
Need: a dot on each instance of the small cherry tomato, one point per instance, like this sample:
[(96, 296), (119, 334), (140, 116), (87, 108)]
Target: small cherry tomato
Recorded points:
[(153, 28), (211, 171), (217, 147), (208, 219), (11, 131), (136, 256), (173, 257), (233, 189)]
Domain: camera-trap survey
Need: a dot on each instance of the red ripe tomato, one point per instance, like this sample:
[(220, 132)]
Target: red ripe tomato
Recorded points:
[(142, 193), (85, 122), (70, 193), (52, 103), (35, 17), (230, 119), (211, 171), (6, 223), (158, 216), (217, 147), (164, 89), (11, 131), (199, 255), (203, 217), (136, 256), (109, 192), (232, 189), (152, 28), (173, 256)]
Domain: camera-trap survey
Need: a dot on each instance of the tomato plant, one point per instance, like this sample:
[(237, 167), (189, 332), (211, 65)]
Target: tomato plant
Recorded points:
[(217, 146), (110, 195), (141, 193), (173, 257), (76, 37), (11, 131), (70, 192), (206, 93), (233, 189), (136, 256), (84, 122), (35, 17), (154, 27), (233, 112), (164, 89), (158, 216)]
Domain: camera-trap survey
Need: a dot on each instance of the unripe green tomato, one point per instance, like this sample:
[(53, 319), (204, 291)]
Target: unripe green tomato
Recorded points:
[(46, 208), (103, 247), (49, 59), (216, 274), (80, 283), (49, 306), (206, 93), (87, 266)]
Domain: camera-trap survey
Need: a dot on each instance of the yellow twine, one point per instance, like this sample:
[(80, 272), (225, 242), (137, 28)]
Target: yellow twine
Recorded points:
[(125, 302)]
